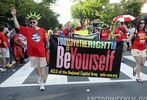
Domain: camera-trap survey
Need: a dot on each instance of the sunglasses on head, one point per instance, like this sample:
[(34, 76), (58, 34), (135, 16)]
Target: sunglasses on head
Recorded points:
[(32, 22)]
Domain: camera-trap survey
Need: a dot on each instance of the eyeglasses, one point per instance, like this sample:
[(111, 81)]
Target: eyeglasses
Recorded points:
[(32, 22)]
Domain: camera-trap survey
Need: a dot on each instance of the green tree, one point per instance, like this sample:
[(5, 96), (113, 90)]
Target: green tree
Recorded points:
[(129, 7), (48, 19), (77, 11), (88, 9), (109, 12), (133, 7), (94, 9)]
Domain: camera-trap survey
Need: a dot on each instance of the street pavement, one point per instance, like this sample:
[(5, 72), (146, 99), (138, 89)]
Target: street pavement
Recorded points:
[(20, 83)]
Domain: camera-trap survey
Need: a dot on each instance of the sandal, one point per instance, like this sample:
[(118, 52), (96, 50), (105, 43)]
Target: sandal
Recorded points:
[(134, 73), (139, 80)]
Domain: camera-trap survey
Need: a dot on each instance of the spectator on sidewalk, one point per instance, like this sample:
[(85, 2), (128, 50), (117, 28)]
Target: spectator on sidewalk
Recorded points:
[(4, 50)]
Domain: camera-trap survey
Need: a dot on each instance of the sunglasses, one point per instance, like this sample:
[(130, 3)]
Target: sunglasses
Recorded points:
[(32, 22), (141, 22)]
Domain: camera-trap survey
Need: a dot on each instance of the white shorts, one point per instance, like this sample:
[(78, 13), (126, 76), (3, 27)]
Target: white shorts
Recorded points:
[(136, 52), (4, 53), (38, 62)]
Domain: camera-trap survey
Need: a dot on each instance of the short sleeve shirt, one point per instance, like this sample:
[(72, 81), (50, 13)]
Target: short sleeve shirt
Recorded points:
[(35, 41)]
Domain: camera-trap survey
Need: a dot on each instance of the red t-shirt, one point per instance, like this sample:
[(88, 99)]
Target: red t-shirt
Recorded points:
[(15, 36), (35, 41), (122, 34), (3, 38), (140, 41), (67, 30), (105, 34)]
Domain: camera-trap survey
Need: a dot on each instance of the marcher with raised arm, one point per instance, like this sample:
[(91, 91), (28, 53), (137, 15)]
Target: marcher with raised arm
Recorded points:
[(36, 41)]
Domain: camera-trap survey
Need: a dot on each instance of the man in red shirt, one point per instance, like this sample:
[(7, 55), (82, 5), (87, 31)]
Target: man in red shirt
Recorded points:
[(36, 41)]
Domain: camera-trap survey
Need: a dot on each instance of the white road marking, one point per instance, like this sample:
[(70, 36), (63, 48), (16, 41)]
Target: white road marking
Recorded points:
[(96, 79), (127, 70), (84, 82), (17, 79), (132, 58), (56, 79)]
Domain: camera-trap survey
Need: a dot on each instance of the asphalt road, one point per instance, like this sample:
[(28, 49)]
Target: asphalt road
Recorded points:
[(98, 91), (19, 83)]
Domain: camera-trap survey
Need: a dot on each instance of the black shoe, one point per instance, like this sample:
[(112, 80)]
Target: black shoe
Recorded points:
[(139, 80)]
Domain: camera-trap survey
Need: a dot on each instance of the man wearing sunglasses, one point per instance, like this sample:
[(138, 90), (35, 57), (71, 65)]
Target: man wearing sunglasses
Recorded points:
[(36, 41)]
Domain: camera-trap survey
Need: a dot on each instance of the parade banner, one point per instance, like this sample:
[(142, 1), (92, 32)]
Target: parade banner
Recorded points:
[(85, 57)]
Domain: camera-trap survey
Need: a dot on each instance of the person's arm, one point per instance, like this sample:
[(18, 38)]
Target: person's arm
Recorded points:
[(5, 44), (13, 12), (115, 35), (130, 37), (17, 42), (116, 32)]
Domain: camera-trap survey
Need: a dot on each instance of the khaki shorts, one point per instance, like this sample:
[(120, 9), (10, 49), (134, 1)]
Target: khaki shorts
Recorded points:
[(38, 62), (136, 52), (4, 53)]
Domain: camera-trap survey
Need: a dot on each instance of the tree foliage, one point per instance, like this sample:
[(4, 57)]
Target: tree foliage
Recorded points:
[(101, 9), (78, 12), (87, 9), (48, 19), (133, 7)]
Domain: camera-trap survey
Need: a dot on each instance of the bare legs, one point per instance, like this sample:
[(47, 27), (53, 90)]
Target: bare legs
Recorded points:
[(41, 77), (41, 73), (139, 64)]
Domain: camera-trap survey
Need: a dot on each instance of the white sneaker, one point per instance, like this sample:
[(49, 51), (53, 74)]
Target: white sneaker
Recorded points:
[(2, 69), (42, 87)]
